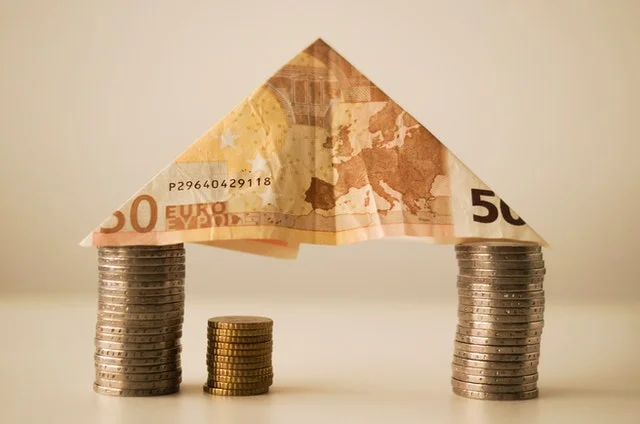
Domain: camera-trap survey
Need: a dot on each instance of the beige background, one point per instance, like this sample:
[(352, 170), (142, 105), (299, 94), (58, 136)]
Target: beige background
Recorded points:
[(540, 99)]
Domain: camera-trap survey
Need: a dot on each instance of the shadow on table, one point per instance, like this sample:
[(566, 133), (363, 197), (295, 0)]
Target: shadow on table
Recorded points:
[(589, 390)]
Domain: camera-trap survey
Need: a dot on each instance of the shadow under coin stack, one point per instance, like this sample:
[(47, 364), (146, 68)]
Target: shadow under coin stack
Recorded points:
[(500, 320), (239, 356), (140, 315)]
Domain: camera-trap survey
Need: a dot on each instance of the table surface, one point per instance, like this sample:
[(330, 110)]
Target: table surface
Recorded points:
[(335, 362)]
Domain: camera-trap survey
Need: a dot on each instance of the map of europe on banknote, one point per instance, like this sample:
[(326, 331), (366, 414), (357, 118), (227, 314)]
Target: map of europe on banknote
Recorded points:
[(317, 154)]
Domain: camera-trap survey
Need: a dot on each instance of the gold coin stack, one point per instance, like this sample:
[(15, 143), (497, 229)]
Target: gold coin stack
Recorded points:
[(239, 356)]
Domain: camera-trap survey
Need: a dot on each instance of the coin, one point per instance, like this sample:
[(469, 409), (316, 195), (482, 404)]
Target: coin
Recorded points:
[(154, 278), (216, 345), (267, 378), (499, 257), (511, 350), (498, 273), (126, 316), (238, 353), (167, 375), (499, 288), (496, 341), (141, 270), (132, 393), (115, 260), (467, 316), (136, 362), (136, 346), (142, 300), (157, 338), (140, 285), (498, 333), (495, 365), (498, 247), (240, 339), (501, 265), (491, 372), (139, 323), (139, 331), (140, 309), (238, 386), (226, 392), (493, 388), (135, 354), (240, 322), (501, 295), (140, 292), (498, 357), (240, 373), (531, 394), (144, 369), (511, 326), (481, 379), (138, 385), (501, 303), (213, 365), (490, 310)]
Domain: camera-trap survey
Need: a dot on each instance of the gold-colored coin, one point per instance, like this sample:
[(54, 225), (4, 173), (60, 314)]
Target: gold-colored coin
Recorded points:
[(236, 322), (262, 379), (239, 346), (239, 386), (236, 352), (215, 372), (224, 332), (215, 367), (239, 359), (217, 338), (225, 392)]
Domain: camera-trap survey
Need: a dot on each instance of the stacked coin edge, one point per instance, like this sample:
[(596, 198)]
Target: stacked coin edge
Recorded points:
[(139, 323), (239, 356), (500, 320)]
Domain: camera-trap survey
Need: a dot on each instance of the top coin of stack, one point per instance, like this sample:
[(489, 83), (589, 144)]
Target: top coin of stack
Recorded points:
[(239, 355), (500, 320), (140, 314)]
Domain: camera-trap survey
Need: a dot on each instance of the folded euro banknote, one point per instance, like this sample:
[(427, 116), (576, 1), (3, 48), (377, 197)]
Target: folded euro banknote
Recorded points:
[(317, 154)]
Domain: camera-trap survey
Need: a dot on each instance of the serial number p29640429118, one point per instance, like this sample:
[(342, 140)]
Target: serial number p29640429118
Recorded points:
[(218, 183)]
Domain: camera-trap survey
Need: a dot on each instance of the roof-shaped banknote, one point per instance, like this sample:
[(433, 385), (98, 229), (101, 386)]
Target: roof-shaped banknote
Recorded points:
[(317, 154)]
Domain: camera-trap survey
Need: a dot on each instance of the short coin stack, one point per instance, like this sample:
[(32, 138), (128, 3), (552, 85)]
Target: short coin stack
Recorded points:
[(500, 320), (239, 356), (140, 315)]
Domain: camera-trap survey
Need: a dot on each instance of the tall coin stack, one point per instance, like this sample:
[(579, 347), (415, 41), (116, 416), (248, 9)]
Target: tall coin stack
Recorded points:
[(500, 320), (140, 315), (239, 355)]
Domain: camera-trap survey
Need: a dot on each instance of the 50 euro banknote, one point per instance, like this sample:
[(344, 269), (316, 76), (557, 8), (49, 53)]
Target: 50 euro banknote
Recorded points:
[(317, 154)]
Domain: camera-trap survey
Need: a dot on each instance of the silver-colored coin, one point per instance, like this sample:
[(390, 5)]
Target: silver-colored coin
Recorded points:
[(498, 247), (497, 357), (491, 372), (494, 388), (238, 359), (504, 326), (500, 303), (127, 317), (495, 341), (135, 362), (481, 379), (136, 346), (140, 248), (240, 373), (501, 257), (144, 369), (143, 285), (142, 300), (532, 394), (131, 279), (142, 254), (140, 354), (141, 309), (138, 385), (467, 316), (119, 330), (495, 365), (141, 377), (497, 281), (499, 288), (490, 310), (139, 323), (499, 273), (500, 295), (501, 265), (110, 391), (119, 292), (510, 350), (127, 270), (119, 261), (499, 334), (144, 338)]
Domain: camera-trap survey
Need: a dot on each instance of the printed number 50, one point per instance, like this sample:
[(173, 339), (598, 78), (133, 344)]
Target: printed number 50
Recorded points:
[(135, 223), (492, 210)]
